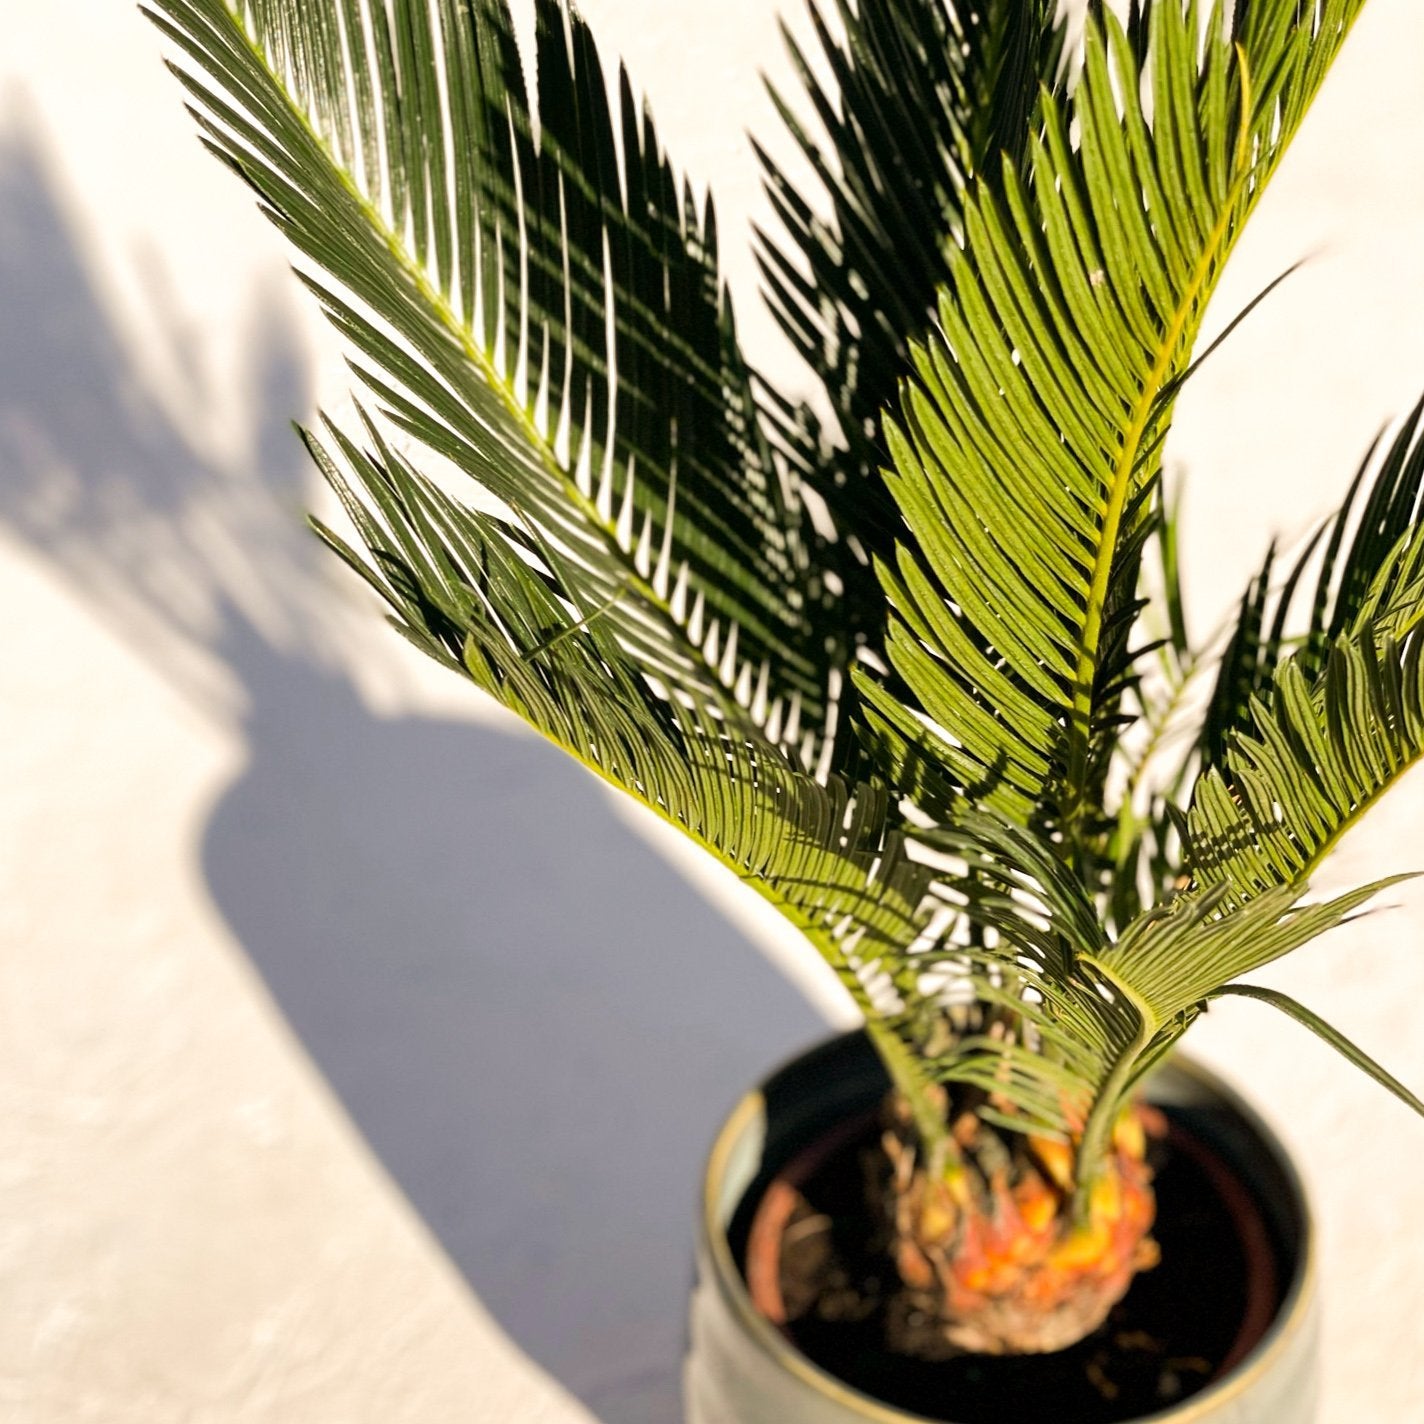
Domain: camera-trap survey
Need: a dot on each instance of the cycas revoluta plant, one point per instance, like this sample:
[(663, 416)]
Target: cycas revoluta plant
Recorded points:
[(915, 674)]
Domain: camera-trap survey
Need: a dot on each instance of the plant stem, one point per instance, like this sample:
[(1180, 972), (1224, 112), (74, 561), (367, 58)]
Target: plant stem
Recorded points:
[(907, 1074)]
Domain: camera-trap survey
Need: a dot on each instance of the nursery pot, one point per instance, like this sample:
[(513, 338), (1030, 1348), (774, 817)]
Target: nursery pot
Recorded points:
[(1234, 1197)]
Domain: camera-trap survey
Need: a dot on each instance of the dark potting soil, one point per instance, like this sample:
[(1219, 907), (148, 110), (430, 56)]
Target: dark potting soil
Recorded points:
[(1167, 1339)]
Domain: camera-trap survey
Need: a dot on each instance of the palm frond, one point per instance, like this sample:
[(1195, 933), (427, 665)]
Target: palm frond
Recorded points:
[(1380, 507), (544, 313), (926, 97), (1175, 957), (1296, 748), (506, 614), (1316, 758), (1031, 438)]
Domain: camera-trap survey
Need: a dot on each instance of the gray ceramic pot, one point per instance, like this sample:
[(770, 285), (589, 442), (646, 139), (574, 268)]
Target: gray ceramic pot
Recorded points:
[(741, 1370)]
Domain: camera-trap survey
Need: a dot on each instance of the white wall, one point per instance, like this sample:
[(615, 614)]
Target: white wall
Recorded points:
[(357, 1055)]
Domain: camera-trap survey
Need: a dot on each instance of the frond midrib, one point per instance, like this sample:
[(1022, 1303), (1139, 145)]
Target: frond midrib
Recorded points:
[(1139, 424)]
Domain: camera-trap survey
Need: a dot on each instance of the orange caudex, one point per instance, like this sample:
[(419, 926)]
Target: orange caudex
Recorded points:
[(996, 1258)]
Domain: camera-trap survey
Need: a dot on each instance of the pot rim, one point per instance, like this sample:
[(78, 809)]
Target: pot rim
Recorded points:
[(1290, 1319)]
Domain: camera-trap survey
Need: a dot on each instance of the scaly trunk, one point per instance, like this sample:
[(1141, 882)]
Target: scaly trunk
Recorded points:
[(990, 1250)]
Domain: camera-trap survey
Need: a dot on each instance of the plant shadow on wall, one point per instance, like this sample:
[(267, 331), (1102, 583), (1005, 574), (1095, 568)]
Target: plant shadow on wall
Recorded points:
[(531, 1021)]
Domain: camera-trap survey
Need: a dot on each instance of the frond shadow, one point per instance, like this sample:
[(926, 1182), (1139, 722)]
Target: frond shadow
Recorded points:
[(532, 1021)]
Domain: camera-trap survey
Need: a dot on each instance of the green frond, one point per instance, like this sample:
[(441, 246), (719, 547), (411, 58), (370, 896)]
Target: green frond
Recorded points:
[(1175, 957), (1172, 960), (545, 314), (1316, 758), (1380, 507), (926, 95), (1295, 748), (1031, 436), (1071, 1019)]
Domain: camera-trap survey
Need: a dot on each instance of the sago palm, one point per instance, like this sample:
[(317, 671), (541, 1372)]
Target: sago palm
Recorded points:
[(912, 668)]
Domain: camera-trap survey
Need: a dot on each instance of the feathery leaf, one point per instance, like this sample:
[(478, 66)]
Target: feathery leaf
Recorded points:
[(1031, 437), (546, 315)]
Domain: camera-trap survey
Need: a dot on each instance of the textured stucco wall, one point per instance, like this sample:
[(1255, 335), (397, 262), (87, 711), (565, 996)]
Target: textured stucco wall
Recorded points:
[(356, 1055)]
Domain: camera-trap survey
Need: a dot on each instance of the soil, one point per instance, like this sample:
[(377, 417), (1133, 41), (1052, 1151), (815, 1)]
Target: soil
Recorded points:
[(1180, 1326)]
